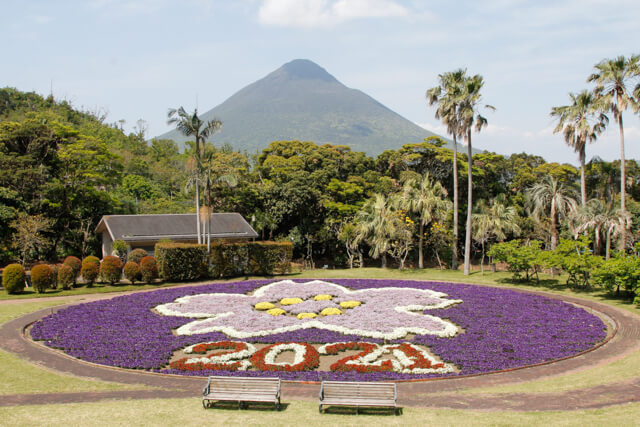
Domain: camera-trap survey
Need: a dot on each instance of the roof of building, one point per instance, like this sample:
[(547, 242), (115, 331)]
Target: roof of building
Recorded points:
[(142, 228)]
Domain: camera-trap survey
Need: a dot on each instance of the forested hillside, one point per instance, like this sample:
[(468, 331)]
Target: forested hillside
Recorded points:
[(62, 169)]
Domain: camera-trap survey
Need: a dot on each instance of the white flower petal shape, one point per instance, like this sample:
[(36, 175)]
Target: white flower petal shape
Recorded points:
[(387, 313)]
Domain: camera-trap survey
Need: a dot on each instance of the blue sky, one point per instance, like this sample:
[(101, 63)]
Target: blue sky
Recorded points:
[(135, 59)]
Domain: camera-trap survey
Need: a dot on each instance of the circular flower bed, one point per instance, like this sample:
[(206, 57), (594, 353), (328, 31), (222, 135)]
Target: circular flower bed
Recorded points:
[(369, 329)]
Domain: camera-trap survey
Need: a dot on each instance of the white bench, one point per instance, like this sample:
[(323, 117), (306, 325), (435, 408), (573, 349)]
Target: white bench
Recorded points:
[(241, 390), (349, 393)]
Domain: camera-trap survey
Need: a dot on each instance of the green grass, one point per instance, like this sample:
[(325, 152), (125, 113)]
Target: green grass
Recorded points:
[(21, 377), (16, 373), (189, 412)]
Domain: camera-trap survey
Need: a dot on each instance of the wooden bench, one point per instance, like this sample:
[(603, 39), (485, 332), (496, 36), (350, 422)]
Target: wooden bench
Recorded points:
[(241, 390), (349, 393)]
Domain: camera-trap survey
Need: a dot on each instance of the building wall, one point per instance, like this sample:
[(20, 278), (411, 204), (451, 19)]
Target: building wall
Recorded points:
[(106, 244)]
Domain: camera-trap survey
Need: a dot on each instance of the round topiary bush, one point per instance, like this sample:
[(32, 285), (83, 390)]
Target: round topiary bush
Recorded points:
[(132, 271), (111, 269), (42, 277), (66, 277), (93, 259), (136, 255), (13, 278), (148, 269), (54, 269), (89, 272), (75, 264)]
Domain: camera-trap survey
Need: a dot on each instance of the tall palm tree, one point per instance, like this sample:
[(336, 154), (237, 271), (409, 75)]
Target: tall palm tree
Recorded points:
[(470, 117), (588, 217), (615, 80), (427, 199), (581, 122), (447, 98), (375, 225), (192, 125), (494, 220), (553, 199)]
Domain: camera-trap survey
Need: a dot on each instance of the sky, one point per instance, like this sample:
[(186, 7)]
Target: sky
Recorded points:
[(135, 59)]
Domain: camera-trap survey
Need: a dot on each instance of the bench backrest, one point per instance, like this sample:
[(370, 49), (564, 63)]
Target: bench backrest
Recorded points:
[(243, 384), (358, 389)]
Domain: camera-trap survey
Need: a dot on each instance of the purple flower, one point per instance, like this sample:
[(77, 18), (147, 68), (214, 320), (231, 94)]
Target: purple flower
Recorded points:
[(501, 329)]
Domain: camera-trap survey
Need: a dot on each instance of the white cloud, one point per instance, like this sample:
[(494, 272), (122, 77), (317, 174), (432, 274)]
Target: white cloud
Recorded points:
[(324, 13)]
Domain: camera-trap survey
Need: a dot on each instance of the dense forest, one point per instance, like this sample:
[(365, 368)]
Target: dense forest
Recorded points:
[(61, 169)]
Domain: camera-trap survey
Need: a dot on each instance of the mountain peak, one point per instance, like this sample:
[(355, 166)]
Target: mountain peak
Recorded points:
[(304, 69)]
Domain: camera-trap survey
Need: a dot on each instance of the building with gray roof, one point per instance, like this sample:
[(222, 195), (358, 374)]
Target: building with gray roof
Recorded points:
[(144, 231)]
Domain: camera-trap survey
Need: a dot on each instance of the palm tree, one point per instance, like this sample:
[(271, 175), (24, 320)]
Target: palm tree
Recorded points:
[(615, 80), (427, 199), (581, 122), (494, 220), (375, 225), (470, 117), (615, 222), (447, 97), (551, 198), (192, 125)]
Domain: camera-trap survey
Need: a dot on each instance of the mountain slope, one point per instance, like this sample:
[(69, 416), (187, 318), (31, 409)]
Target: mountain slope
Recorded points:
[(302, 101)]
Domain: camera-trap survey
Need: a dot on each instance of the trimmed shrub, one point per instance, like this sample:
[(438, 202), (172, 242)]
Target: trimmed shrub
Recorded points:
[(132, 271), (93, 259), (250, 258), (268, 258), (54, 268), (42, 277), (90, 271), (111, 269), (75, 264), (66, 277), (148, 269), (13, 278), (136, 255), (181, 261)]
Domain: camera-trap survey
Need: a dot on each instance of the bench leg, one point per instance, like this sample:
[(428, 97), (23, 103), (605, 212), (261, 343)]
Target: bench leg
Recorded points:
[(320, 408)]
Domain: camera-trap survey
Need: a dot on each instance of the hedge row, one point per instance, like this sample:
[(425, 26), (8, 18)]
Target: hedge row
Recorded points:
[(183, 261)]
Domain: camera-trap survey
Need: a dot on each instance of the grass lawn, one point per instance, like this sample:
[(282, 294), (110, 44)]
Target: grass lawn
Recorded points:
[(20, 377), (189, 412)]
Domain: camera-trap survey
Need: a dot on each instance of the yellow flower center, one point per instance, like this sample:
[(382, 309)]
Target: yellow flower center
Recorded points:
[(276, 311), (290, 301), (322, 297), (263, 306), (350, 304), (306, 315), (330, 311)]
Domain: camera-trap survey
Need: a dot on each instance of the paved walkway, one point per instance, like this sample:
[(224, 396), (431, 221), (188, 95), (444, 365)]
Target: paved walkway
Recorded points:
[(429, 393)]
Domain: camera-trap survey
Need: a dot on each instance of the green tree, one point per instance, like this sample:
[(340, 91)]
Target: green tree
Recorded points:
[(375, 225), (470, 117), (447, 97), (427, 199), (192, 125), (30, 238), (494, 221), (581, 122), (552, 199), (615, 80)]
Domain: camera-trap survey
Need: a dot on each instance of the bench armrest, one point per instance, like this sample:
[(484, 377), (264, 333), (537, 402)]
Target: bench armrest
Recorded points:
[(207, 388)]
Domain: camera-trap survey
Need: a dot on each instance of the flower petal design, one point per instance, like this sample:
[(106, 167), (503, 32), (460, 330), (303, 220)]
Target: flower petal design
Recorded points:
[(385, 313)]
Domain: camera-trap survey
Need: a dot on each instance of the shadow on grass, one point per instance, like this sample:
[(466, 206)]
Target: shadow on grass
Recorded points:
[(353, 410), (254, 406)]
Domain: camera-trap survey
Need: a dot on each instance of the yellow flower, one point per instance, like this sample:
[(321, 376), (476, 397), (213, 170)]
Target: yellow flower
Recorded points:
[(350, 304), (276, 311), (263, 306), (290, 301), (330, 311), (306, 315), (322, 297)]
